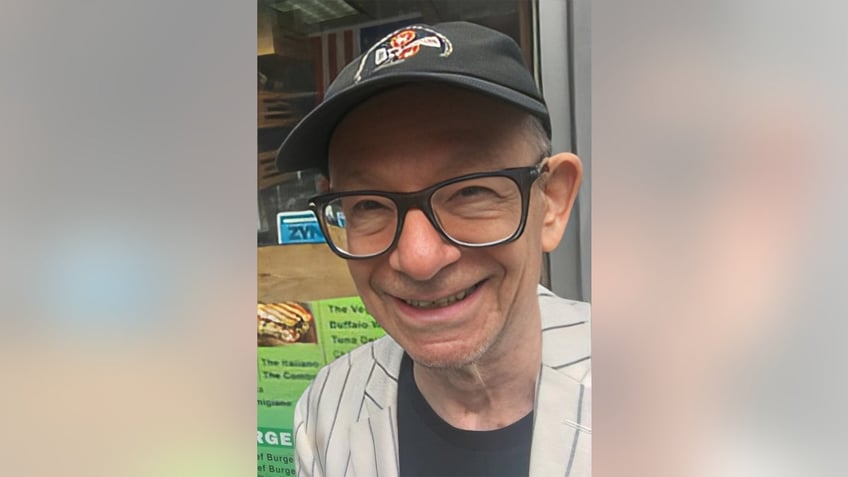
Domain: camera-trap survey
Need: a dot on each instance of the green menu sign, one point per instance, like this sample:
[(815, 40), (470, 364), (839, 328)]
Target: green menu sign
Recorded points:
[(285, 369)]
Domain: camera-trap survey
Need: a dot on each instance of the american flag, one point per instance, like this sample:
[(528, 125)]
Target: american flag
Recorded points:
[(332, 50)]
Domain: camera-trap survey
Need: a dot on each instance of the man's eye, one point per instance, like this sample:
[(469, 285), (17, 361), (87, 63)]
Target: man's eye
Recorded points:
[(368, 205), (475, 191)]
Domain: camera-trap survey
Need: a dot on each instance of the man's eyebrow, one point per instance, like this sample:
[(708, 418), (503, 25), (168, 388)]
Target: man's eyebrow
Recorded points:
[(358, 178)]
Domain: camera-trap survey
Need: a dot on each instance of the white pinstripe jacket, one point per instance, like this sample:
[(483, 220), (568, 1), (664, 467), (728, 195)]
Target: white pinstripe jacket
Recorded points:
[(346, 422)]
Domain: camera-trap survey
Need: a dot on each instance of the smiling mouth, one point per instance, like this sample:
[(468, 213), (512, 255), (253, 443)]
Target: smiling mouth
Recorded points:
[(442, 302)]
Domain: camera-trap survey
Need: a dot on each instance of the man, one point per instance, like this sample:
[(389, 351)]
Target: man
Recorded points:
[(443, 197)]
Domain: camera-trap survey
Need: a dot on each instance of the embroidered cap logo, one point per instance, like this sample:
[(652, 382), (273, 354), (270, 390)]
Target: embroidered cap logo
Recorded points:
[(401, 45)]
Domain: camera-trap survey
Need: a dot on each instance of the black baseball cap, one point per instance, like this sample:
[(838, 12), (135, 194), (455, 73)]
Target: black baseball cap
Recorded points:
[(461, 54)]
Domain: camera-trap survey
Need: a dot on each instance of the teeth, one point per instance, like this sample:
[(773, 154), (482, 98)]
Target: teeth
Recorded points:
[(441, 302)]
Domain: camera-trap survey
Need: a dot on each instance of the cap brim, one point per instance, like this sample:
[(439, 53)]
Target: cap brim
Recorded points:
[(306, 147)]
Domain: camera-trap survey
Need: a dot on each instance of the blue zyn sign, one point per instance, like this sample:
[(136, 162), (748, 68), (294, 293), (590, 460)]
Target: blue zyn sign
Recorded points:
[(299, 227)]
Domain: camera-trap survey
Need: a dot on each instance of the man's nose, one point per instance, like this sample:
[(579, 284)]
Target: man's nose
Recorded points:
[(421, 252)]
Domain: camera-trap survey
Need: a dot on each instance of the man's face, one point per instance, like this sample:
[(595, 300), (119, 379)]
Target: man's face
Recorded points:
[(406, 140)]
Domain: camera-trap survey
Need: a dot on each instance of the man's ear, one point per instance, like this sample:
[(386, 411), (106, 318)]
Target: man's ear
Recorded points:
[(559, 190)]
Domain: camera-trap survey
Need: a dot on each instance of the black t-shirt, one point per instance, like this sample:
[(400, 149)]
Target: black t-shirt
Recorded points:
[(431, 447)]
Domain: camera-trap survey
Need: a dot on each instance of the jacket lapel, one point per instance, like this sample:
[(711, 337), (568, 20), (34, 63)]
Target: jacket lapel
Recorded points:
[(373, 439), (561, 439), (373, 445)]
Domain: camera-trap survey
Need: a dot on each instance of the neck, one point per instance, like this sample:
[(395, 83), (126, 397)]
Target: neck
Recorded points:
[(490, 393)]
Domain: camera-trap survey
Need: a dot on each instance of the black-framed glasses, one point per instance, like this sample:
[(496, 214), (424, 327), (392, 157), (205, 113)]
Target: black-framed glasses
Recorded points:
[(474, 210)]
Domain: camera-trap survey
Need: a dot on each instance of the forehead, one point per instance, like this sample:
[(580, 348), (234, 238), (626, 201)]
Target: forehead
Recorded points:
[(426, 131)]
